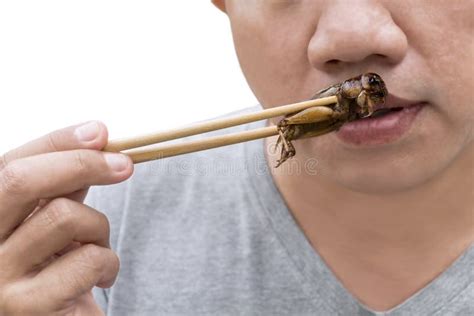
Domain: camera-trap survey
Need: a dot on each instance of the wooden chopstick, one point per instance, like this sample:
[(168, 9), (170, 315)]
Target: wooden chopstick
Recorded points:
[(146, 154), (208, 126)]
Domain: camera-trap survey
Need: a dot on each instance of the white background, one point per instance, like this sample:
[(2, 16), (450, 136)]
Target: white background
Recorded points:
[(138, 65)]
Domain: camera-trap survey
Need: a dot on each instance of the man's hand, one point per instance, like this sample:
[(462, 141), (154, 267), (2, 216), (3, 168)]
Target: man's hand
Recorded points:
[(53, 248)]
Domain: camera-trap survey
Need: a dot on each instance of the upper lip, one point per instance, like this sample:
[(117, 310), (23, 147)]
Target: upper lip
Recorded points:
[(393, 101)]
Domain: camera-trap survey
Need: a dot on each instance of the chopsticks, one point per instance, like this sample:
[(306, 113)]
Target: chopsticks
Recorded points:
[(147, 154), (139, 155)]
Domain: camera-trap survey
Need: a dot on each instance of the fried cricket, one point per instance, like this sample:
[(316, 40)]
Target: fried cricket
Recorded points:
[(358, 98)]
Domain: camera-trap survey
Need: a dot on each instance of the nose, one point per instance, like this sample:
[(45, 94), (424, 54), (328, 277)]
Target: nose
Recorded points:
[(350, 32)]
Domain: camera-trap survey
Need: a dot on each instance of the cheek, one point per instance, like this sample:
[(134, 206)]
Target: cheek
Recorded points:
[(452, 83), (446, 48), (454, 110), (273, 57), (443, 51)]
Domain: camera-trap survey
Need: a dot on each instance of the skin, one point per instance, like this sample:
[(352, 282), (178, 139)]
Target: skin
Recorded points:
[(355, 101), (387, 219), (53, 248)]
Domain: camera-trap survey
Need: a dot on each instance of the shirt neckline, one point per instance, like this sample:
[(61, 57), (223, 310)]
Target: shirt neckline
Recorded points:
[(317, 280)]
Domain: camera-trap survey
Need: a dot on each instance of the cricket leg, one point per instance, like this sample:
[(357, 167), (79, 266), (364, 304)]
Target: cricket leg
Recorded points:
[(283, 157), (284, 140), (280, 137), (287, 151)]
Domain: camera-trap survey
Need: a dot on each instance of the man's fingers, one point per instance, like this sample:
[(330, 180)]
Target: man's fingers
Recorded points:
[(66, 282), (91, 135), (23, 182), (52, 229), (77, 272), (78, 196), (86, 305)]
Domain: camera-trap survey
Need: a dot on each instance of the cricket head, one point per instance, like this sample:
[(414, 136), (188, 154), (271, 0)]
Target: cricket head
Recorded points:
[(372, 95)]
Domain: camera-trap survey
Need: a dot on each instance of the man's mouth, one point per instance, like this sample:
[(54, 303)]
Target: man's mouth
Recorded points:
[(389, 122), (392, 104), (381, 112)]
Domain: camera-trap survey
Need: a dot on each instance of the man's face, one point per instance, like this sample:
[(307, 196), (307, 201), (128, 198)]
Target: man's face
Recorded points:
[(423, 49)]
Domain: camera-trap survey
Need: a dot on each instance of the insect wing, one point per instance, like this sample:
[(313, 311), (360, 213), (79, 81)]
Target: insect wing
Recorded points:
[(327, 92), (311, 115), (322, 129)]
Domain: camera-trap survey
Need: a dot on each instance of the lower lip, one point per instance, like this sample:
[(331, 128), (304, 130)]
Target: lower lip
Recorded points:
[(381, 130)]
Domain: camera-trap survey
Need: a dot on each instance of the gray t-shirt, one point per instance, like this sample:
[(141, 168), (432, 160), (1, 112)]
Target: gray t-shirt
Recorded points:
[(208, 233)]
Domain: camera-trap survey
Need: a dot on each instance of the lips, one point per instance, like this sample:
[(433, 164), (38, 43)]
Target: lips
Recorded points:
[(389, 123), (394, 102)]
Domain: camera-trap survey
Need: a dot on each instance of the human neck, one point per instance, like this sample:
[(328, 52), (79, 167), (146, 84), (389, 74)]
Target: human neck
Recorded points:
[(429, 211), (428, 227)]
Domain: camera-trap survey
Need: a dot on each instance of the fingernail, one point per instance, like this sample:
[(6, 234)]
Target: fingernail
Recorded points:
[(117, 162), (87, 132)]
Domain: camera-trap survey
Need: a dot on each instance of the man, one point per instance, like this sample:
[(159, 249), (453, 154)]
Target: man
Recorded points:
[(375, 217)]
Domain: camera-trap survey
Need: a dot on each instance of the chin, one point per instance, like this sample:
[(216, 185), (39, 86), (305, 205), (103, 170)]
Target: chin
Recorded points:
[(381, 181), (383, 170)]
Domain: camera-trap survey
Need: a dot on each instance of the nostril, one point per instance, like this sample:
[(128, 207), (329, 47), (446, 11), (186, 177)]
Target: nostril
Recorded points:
[(339, 42)]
